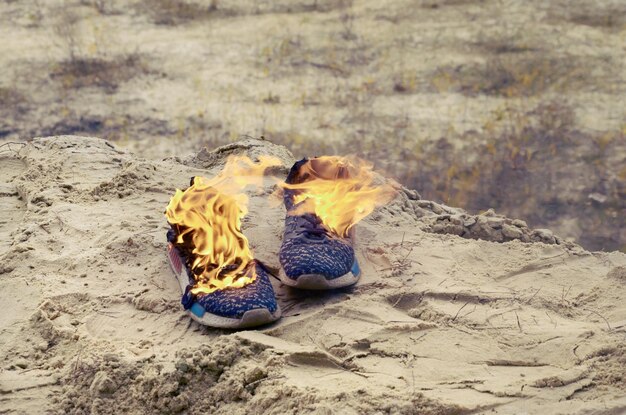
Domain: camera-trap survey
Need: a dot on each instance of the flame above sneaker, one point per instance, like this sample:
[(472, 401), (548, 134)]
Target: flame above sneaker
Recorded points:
[(325, 197), (340, 191), (207, 220)]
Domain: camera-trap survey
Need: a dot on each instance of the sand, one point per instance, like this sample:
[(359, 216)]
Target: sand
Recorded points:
[(454, 314)]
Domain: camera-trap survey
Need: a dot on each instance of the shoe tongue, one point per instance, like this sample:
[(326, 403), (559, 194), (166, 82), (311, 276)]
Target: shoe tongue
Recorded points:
[(295, 174), (315, 168), (328, 169), (309, 169)]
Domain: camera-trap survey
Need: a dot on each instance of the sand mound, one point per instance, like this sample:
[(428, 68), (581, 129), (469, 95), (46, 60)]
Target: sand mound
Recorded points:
[(455, 313)]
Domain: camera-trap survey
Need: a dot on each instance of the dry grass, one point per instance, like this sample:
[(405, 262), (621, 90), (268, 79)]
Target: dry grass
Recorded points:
[(435, 4), (612, 19), (505, 42), (10, 97), (87, 64), (13, 106), (527, 168), (609, 18), (98, 72), (175, 12), (120, 128), (104, 7), (516, 75), (339, 58)]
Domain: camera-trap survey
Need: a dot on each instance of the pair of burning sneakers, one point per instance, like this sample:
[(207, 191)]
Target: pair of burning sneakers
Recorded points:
[(312, 257)]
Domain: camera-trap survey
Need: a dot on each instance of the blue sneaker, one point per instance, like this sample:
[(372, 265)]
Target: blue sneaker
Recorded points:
[(312, 256), (252, 305)]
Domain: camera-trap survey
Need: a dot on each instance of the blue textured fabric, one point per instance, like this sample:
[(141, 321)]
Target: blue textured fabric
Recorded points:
[(171, 236), (356, 270), (308, 247), (231, 302), (234, 302)]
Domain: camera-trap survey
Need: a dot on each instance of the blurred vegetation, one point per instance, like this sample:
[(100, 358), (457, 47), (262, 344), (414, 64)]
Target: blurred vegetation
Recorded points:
[(435, 4), (531, 165), (174, 12), (10, 97), (610, 17), (88, 64), (13, 105), (530, 158), (538, 168), (98, 72), (519, 75)]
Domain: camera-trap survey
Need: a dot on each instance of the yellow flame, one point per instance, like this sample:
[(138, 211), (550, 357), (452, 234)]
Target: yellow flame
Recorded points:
[(207, 218), (341, 191)]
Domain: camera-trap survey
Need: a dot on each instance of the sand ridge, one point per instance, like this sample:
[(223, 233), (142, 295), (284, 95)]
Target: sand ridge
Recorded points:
[(448, 317)]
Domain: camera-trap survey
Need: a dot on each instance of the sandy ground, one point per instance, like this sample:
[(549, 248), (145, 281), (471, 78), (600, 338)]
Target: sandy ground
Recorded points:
[(439, 323)]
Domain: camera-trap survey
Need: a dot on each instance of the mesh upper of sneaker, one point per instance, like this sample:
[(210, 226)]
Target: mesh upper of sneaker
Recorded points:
[(308, 247), (234, 302)]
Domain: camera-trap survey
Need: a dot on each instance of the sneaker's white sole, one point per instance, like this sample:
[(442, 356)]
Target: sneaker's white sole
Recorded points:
[(251, 318), (318, 281)]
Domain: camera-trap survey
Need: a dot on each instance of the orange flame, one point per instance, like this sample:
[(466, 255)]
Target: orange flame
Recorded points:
[(207, 217), (341, 191)]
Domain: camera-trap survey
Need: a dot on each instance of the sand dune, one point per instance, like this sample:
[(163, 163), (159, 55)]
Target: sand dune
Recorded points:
[(455, 313)]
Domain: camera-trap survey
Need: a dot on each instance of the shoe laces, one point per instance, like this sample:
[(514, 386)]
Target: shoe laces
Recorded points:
[(311, 226)]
